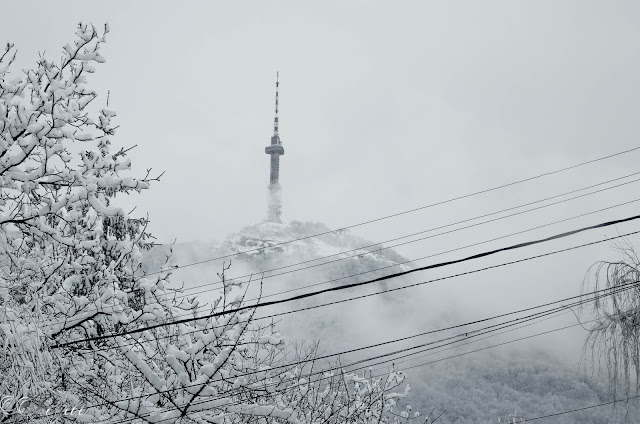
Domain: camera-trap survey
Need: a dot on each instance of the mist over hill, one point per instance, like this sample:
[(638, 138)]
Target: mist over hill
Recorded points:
[(482, 387)]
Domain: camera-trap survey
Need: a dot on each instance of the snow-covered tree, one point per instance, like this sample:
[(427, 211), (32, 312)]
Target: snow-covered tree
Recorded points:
[(69, 257), (614, 339), (70, 270)]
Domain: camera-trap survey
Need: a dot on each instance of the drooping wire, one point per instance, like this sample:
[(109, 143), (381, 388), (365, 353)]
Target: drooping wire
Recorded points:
[(453, 199), (394, 360), (386, 291), (214, 286), (460, 337), (49, 324), (360, 284)]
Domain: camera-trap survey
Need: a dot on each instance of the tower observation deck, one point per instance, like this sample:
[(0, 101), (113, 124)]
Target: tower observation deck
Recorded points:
[(275, 150)]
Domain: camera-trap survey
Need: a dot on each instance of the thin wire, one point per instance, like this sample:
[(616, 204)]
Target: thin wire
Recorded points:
[(413, 336), (215, 285), (513, 341), (419, 284), (218, 283), (436, 347), (579, 409), (415, 366), (397, 263), (406, 211), (519, 327), (378, 363), (412, 241), (385, 267), (475, 334), (349, 286)]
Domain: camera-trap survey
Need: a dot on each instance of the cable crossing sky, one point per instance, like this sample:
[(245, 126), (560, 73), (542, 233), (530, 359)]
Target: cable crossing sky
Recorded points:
[(393, 265), (412, 210), (456, 338), (348, 286)]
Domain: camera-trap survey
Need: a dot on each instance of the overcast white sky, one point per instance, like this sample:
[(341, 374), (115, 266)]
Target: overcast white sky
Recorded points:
[(385, 106)]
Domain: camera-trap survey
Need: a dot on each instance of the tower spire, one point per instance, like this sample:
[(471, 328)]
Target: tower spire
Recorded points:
[(275, 150), (275, 119)]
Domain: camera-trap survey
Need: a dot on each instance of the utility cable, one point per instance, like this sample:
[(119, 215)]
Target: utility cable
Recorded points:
[(407, 261), (579, 409), (408, 211), (363, 283), (378, 363), (475, 333), (418, 284), (209, 284), (410, 261), (456, 338), (214, 285), (431, 348), (388, 266)]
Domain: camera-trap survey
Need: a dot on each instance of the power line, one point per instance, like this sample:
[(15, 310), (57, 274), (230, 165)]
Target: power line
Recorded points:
[(393, 360), (509, 342), (321, 305), (465, 336), (408, 261), (426, 363), (216, 284), (597, 294), (348, 286), (385, 361), (390, 266), (580, 409), (413, 260), (496, 345), (516, 320), (401, 244), (519, 327), (430, 230), (475, 334), (406, 211), (453, 250)]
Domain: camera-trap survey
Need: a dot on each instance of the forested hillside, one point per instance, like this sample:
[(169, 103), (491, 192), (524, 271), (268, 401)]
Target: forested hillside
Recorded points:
[(482, 387)]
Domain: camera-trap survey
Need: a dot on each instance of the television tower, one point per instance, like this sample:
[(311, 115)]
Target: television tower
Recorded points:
[(275, 150)]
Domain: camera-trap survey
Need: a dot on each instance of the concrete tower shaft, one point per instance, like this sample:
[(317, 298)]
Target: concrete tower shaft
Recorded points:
[(275, 150)]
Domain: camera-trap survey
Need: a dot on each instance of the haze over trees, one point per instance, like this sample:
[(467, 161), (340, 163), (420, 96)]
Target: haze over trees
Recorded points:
[(526, 381)]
